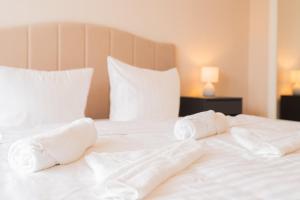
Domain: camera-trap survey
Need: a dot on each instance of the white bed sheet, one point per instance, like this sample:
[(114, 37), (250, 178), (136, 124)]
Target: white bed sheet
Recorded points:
[(227, 171)]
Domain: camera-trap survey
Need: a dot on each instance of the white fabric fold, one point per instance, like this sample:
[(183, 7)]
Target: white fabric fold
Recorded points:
[(60, 146), (222, 123), (266, 143), (200, 125), (133, 175)]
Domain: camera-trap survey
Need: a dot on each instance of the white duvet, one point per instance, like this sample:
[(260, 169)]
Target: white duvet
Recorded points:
[(225, 171)]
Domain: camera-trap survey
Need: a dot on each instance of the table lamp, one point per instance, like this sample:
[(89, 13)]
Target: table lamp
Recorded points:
[(295, 80), (209, 75)]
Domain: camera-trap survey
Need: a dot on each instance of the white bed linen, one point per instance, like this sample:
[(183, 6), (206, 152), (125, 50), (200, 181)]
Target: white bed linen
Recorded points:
[(226, 171)]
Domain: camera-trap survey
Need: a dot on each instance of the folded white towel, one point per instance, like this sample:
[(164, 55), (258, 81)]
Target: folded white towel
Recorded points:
[(200, 125), (267, 143), (133, 175), (60, 146)]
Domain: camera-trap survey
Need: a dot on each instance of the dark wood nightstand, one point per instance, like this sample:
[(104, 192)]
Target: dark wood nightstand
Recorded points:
[(226, 105), (290, 108)]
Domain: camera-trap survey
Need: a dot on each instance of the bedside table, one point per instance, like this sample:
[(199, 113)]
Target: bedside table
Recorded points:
[(227, 105), (290, 107)]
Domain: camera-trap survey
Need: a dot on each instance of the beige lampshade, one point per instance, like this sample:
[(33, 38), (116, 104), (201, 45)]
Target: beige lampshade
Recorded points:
[(210, 74), (295, 76)]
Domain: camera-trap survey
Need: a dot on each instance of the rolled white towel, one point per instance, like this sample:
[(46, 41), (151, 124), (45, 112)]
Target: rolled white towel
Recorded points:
[(133, 175), (200, 125), (60, 146), (266, 143), (222, 123)]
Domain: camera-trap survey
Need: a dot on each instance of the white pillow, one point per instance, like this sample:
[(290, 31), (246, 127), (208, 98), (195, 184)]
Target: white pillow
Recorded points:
[(142, 94), (31, 98)]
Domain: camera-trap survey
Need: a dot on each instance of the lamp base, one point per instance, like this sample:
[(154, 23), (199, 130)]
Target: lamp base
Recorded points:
[(296, 89), (209, 90)]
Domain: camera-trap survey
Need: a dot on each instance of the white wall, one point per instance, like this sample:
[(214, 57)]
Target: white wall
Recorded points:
[(206, 32)]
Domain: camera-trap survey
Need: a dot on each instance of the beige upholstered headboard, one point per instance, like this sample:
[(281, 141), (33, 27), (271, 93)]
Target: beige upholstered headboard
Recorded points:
[(61, 46)]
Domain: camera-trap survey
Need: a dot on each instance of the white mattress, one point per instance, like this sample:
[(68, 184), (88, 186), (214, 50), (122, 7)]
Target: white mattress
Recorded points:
[(226, 171)]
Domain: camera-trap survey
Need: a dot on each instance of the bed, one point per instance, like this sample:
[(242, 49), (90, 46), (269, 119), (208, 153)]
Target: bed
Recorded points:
[(226, 171)]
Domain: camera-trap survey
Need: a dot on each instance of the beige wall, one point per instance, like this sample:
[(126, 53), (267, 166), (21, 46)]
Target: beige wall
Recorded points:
[(262, 58), (288, 42), (206, 32)]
